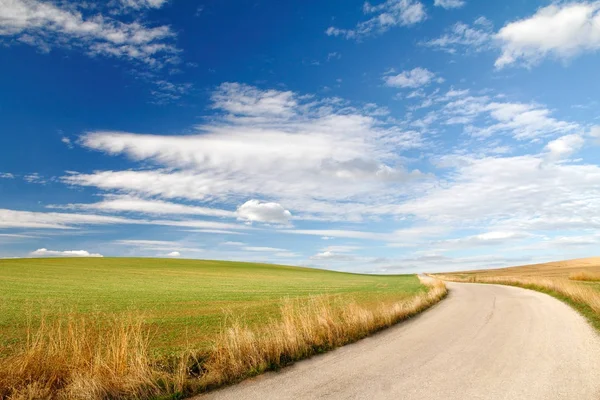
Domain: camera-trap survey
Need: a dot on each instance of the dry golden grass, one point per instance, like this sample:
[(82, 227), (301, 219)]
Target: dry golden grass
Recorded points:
[(584, 276), (99, 358), (557, 269), (574, 291), (304, 330), (81, 358), (570, 280)]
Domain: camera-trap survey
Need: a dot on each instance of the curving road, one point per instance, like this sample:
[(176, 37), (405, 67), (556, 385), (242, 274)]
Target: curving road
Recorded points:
[(482, 342)]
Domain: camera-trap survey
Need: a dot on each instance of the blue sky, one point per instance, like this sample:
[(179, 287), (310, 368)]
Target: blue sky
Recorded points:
[(387, 137)]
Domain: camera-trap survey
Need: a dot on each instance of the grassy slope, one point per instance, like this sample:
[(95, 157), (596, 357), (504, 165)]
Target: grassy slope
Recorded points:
[(184, 301), (536, 277), (556, 269)]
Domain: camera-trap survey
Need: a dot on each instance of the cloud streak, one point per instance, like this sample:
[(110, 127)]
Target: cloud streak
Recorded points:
[(386, 15)]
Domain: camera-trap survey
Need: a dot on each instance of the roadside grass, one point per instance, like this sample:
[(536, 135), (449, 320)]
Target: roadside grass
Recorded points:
[(93, 352), (571, 281)]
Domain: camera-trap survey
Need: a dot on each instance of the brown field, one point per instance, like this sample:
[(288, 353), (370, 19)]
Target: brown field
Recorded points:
[(584, 276), (557, 269), (576, 282)]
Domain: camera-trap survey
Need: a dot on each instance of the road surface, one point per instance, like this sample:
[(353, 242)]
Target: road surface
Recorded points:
[(482, 342)]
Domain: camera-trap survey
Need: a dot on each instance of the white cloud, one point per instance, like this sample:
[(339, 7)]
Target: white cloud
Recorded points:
[(516, 194), (336, 233), (449, 3), (146, 206), (30, 219), (464, 37), (219, 231), (494, 238), (268, 144), (595, 133), (559, 30), (257, 211), (17, 236), (264, 249), (141, 4), (46, 25), (174, 254), (34, 178), (68, 253), (564, 146), (53, 220), (160, 245), (67, 142), (334, 55), (332, 256), (387, 15), (523, 121), (340, 249), (414, 78), (6, 175), (166, 91)]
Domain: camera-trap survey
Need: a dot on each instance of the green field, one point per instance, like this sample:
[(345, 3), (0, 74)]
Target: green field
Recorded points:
[(184, 302)]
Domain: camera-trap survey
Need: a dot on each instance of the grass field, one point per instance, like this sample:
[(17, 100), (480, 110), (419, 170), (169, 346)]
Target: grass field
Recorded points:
[(184, 301), (576, 282), (147, 327)]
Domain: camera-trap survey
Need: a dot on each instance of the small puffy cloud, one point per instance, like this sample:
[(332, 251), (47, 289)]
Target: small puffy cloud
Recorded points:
[(386, 15), (257, 211), (414, 78), (6, 175), (564, 146), (67, 253), (449, 3), (174, 254), (67, 142), (559, 30), (333, 56)]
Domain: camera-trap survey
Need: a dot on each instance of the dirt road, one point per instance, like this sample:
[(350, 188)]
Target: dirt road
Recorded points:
[(482, 342)]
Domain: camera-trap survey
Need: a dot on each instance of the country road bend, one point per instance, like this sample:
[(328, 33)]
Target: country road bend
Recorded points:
[(482, 342)]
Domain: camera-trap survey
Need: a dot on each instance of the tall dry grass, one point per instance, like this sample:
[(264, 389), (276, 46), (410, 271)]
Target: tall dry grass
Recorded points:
[(303, 331), (79, 357), (578, 293), (109, 358), (584, 276)]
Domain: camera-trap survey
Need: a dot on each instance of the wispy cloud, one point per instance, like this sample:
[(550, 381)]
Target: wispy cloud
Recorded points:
[(141, 4), (386, 15), (46, 25), (447, 4), (463, 38), (266, 144)]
